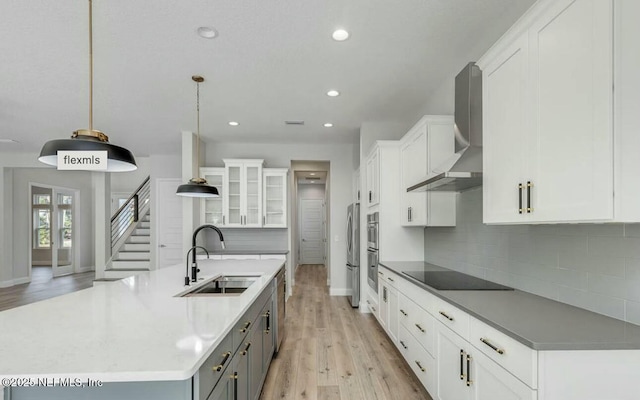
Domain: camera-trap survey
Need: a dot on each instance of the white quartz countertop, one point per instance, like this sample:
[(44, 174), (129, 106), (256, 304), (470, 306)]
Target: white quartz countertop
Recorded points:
[(537, 322), (129, 330)]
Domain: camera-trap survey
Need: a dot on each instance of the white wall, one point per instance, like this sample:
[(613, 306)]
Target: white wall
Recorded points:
[(127, 182), (339, 194)]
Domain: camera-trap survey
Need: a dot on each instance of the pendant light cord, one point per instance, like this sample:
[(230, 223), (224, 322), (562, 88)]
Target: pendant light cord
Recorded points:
[(198, 127), (90, 66)]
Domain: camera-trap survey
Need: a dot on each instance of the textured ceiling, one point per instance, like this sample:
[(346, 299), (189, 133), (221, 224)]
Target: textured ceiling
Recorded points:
[(274, 60)]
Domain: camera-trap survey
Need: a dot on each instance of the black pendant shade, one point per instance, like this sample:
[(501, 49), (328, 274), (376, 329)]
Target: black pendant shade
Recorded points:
[(119, 159), (197, 187), (197, 190)]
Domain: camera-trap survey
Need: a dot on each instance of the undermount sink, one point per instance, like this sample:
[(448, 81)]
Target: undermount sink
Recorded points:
[(225, 285)]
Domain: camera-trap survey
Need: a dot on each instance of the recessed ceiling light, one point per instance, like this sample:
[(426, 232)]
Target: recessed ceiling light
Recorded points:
[(312, 174), (333, 93), (233, 123), (9, 141), (328, 125), (207, 32), (340, 35)]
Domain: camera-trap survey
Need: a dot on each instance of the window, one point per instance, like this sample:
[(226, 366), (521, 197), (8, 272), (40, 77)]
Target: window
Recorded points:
[(65, 220), (41, 199), (42, 222)]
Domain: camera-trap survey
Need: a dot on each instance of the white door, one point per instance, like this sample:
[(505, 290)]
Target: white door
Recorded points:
[(169, 223), (311, 231), (62, 232)]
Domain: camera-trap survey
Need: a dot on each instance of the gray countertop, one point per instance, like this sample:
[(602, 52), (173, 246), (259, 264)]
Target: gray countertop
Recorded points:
[(537, 322)]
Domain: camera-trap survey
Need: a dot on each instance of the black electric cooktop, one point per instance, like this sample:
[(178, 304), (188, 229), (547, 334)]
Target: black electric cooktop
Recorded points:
[(452, 280)]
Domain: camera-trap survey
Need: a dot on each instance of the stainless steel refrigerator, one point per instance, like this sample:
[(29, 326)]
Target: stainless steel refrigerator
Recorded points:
[(353, 253)]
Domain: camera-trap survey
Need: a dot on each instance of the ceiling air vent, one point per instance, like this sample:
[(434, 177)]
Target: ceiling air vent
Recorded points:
[(312, 178), (293, 122)]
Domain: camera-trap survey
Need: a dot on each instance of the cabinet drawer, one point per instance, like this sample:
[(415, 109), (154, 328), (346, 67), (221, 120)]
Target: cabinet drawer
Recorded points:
[(214, 367), (390, 277), (373, 305), (512, 355), (418, 322), (452, 317), (421, 363), (244, 324), (420, 296)]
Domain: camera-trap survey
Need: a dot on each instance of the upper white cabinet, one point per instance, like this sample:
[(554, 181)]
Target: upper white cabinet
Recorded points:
[(427, 145), (551, 152), (373, 177), (213, 207), (243, 194), (250, 196), (275, 198)]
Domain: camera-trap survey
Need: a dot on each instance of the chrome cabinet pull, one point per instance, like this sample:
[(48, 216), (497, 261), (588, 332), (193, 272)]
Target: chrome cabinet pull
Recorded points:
[(420, 366), (403, 345), (529, 208), (461, 364), (403, 312), (420, 328), (519, 198), (370, 201), (493, 346), (218, 367), (264, 220), (469, 381), (391, 279), (380, 273), (410, 214), (444, 314)]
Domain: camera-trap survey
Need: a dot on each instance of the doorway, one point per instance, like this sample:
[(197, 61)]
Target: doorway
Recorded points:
[(53, 222), (169, 227)]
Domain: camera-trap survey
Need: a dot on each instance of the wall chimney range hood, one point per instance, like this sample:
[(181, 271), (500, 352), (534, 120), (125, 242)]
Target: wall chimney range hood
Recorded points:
[(463, 170)]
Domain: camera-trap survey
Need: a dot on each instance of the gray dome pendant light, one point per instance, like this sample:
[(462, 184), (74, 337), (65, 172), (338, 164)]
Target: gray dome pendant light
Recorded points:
[(119, 159), (197, 187)]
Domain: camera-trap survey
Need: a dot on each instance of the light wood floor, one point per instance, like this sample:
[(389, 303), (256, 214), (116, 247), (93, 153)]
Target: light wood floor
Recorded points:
[(333, 352), (43, 286)]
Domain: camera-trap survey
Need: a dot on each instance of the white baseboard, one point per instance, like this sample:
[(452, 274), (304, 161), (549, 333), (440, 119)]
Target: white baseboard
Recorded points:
[(13, 282), (339, 292), (85, 269)]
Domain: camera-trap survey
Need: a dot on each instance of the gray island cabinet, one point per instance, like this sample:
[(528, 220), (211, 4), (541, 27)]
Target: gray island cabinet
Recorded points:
[(235, 369)]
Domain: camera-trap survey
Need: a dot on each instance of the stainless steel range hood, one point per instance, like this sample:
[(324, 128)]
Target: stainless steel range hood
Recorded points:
[(463, 171)]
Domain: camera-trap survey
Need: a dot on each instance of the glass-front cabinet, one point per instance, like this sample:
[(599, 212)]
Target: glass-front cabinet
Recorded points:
[(275, 198), (243, 193), (213, 210)]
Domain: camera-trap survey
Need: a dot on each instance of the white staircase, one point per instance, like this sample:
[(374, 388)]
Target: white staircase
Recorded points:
[(130, 237), (135, 254)]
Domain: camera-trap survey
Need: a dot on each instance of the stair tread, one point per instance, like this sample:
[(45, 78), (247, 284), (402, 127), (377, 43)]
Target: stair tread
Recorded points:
[(134, 251)]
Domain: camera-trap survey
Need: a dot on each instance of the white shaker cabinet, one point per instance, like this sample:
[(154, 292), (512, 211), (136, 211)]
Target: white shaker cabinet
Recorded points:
[(212, 208), (388, 302), (465, 373), (426, 146), (373, 177), (275, 198), (243, 193), (548, 116)]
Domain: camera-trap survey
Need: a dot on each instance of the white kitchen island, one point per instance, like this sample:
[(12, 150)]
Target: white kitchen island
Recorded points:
[(134, 337)]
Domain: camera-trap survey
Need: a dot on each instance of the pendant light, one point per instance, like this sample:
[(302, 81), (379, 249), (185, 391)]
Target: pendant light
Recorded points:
[(197, 187), (119, 159)]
